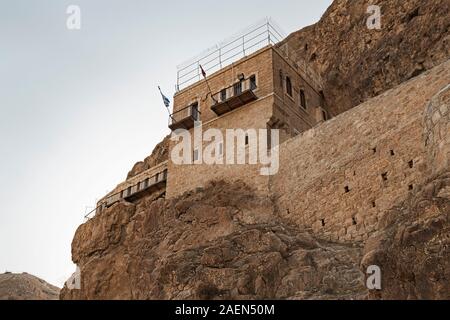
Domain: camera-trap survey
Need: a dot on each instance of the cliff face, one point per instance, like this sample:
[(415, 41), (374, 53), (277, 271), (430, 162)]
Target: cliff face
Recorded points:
[(26, 287), (226, 242), (223, 242), (357, 63)]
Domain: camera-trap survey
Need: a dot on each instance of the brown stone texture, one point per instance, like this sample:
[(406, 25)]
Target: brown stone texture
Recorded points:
[(357, 63), (221, 242), (25, 286), (340, 177)]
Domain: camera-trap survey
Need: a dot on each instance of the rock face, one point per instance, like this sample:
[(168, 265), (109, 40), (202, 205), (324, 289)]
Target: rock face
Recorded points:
[(227, 242), (357, 63), (159, 155), (26, 287), (223, 242), (413, 246)]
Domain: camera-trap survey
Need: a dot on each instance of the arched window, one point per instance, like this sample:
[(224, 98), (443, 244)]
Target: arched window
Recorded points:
[(302, 99), (288, 86)]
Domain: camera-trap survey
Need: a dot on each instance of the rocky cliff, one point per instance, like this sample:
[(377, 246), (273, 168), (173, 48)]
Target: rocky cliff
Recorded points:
[(227, 242), (26, 287), (357, 63)]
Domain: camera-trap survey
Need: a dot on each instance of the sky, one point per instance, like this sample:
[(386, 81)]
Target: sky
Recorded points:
[(78, 108)]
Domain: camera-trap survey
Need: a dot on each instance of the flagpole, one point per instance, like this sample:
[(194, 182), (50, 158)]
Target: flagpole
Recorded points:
[(207, 83), (170, 115)]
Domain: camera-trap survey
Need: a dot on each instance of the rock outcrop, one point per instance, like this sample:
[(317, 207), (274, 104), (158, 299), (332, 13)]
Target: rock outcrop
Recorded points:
[(26, 287), (228, 242), (357, 63), (223, 242), (159, 155)]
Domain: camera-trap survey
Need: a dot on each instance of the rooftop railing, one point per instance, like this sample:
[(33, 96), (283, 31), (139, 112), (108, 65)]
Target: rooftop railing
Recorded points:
[(256, 37)]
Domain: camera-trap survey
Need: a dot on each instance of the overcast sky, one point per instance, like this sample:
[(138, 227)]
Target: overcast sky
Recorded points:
[(79, 108)]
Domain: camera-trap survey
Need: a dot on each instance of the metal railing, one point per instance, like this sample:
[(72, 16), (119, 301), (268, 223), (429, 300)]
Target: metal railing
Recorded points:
[(235, 90), (258, 36), (191, 111), (129, 192)]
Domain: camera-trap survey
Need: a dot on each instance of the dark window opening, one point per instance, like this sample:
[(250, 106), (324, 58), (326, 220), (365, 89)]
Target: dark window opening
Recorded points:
[(384, 176), (374, 205), (253, 84), (302, 99), (355, 222), (347, 189), (223, 95), (194, 111), (411, 164), (374, 150), (246, 140), (288, 86), (411, 187), (237, 88), (323, 222), (392, 153)]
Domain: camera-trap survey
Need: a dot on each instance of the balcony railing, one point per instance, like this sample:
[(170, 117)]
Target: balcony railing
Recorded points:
[(234, 96), (184, 118), (261, 34), (131, 193)]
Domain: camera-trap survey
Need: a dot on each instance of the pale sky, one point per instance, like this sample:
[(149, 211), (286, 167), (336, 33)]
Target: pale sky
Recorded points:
[(79, 108)]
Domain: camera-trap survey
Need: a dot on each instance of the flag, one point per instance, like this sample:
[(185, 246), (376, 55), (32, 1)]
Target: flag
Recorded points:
[(203, 71), (165, 99)]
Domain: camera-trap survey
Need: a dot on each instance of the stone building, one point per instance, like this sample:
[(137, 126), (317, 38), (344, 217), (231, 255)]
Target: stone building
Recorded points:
[(262, 90)]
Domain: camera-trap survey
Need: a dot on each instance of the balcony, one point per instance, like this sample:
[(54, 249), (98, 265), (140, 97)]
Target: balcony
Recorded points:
[(184, 118), (235, 96)]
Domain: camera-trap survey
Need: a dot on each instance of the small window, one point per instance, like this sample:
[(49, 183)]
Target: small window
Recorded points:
[(223, 95), (237, 88), (194, 111), (253, 85), (384, 176), (302, 99), (288, 86), (411, 164), (246, 140)]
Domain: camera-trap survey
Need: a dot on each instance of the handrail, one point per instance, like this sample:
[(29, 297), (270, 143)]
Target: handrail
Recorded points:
[(105, 200), (237, 47)]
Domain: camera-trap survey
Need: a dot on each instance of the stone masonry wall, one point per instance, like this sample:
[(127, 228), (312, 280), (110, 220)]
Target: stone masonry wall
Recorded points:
[(339, 177)]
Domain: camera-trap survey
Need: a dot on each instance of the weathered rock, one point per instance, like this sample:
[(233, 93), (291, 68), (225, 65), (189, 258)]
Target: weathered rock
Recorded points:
[(412, 247), (201, 247), (24, 286), (357, 63), (159, 155)]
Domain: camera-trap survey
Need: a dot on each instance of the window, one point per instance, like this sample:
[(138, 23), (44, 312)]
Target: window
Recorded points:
[(223, 95), (246, 140), (302, 99), (253, 85), (288, 86), (237, 88), (194, 111)]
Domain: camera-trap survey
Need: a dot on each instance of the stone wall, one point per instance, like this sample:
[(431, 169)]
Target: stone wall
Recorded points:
[(339, 177)]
